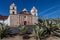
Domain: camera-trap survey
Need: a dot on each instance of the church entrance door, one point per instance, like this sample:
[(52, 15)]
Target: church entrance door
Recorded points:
[(25, 22)]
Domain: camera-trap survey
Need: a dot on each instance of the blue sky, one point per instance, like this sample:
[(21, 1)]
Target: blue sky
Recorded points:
[(46, 8)]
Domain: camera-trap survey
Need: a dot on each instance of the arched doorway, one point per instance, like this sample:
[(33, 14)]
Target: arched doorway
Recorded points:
[(25, 22)]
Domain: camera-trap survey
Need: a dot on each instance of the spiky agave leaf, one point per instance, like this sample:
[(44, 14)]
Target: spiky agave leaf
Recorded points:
[(23, 30), (38, 32)]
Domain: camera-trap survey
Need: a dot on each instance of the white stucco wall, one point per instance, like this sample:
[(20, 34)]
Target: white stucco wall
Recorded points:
[(5, 22), (8, 21), (1, 21)]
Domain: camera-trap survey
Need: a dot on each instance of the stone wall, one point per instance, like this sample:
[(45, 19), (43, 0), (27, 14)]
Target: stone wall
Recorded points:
[(14, 20)]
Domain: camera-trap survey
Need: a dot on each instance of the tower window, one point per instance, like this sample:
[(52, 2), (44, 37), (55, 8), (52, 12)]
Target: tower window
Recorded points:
[(13, 12), (13, 8)]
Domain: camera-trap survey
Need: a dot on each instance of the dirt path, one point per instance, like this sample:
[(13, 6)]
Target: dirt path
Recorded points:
[(53, 38), (20, 38), (17, 38), (13, 38)]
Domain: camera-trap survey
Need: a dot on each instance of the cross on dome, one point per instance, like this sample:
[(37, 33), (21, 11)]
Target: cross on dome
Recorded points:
[(24, 9), (13, 4), (33, 8)]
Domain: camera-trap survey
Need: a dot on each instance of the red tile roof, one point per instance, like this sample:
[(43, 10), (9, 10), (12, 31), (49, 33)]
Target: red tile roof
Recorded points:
[(25, 12), (3, 17)]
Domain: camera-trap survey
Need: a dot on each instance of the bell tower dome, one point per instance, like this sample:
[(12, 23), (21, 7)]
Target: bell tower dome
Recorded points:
[(13, 9), (34, 11), (24, 9)]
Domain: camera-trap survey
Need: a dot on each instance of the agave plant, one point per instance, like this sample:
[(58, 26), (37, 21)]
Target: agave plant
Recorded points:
[(23, 30), (47, 28), (52, 27), (38, 32), (57, 30), (3, 30)]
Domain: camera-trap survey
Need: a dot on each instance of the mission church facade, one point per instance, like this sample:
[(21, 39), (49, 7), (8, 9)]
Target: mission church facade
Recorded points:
[(22, 18)]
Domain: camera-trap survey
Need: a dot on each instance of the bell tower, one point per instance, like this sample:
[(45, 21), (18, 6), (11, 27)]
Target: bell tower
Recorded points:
[(34, 11), (13, 9)]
